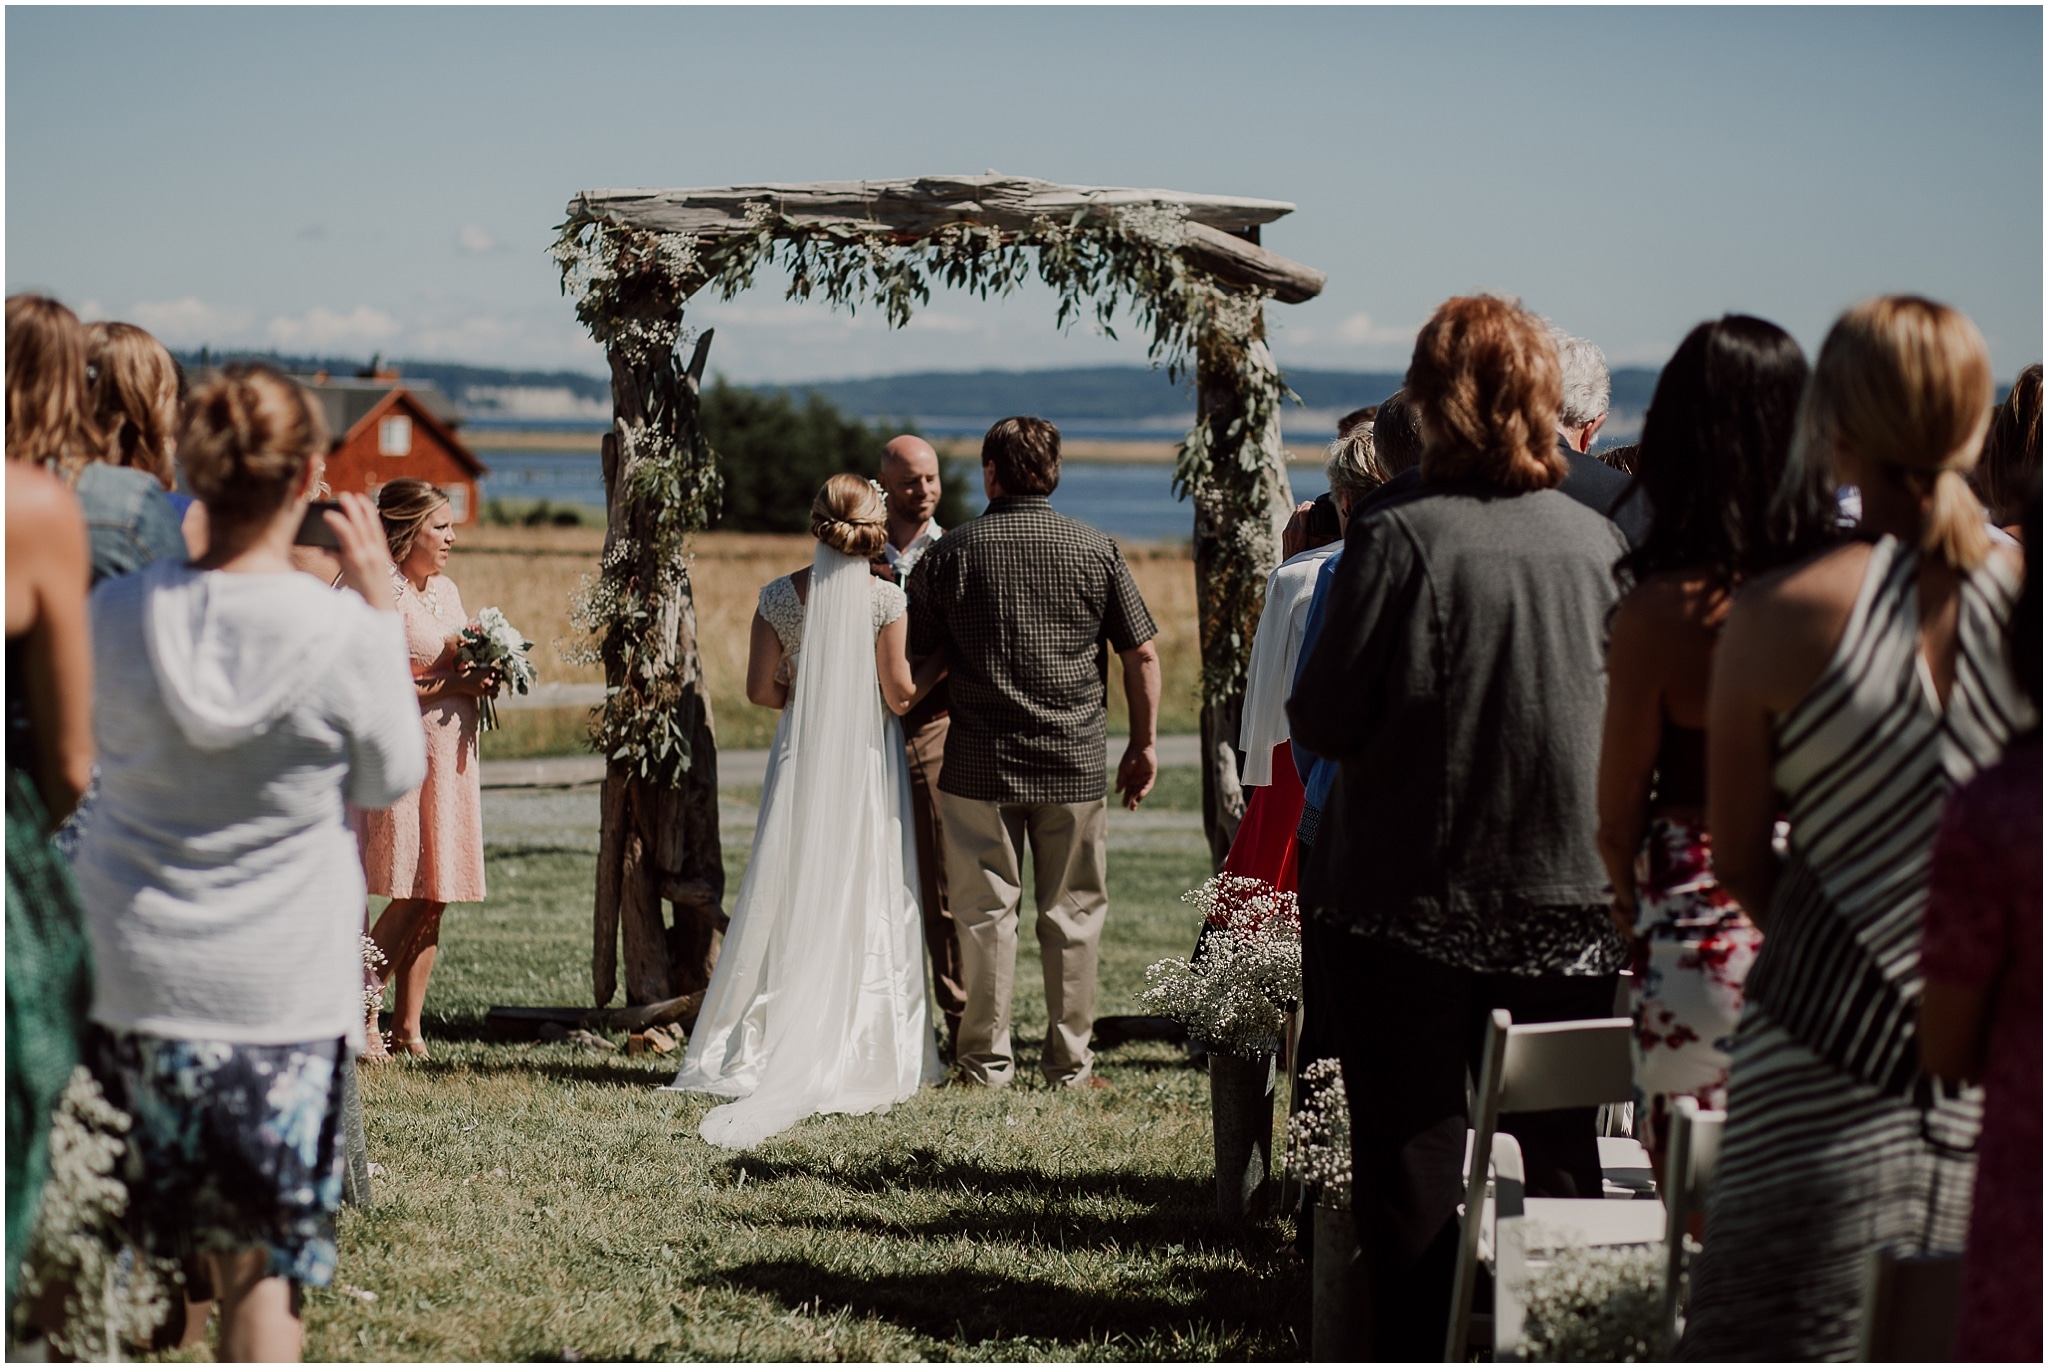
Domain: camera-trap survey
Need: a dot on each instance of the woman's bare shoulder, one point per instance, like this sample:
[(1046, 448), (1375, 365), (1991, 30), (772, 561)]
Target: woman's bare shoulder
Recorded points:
[(1785, 625), (1822, 584)]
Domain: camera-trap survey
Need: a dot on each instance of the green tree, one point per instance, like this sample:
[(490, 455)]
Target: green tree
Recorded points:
[(775, 452)]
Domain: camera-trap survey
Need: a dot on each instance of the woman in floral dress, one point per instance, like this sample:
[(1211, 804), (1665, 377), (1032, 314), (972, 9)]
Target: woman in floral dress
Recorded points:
[(1714, 447), (427, 849)]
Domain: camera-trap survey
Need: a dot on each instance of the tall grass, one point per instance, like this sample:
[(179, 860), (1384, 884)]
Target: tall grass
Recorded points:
[(532, 573)]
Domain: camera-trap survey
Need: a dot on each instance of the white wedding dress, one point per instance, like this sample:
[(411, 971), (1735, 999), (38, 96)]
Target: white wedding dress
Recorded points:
[(819, 999)]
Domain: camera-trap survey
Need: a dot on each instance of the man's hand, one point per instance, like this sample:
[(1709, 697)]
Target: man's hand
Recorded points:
[(1137, 773), (1294, 538)]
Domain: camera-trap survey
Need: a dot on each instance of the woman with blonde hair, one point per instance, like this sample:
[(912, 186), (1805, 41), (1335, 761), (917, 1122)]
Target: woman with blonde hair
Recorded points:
[(1850, 693), (97, 406), (427, 849), (819, 1002), (1456, 680), (239, 709)]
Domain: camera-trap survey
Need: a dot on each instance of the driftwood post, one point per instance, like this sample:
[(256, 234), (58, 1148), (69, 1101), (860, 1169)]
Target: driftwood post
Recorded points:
[(656, 842), (1233, 557)]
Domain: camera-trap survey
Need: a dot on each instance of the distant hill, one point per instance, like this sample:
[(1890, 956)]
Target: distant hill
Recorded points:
[(1085, 393)]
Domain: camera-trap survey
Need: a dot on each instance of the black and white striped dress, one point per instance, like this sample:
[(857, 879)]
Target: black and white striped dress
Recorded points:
[(1835, 1147)]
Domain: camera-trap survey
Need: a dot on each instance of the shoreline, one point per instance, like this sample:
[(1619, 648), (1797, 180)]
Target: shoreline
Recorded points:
[(1087, 451)]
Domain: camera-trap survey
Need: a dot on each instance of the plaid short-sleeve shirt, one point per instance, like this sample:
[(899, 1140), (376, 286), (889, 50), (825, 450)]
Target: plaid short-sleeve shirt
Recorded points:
[(1027, 605)]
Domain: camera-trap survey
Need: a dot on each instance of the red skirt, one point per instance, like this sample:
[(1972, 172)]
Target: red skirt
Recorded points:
[(1265, 847)]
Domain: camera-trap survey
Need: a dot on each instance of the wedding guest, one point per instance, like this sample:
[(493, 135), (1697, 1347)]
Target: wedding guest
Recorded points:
[(426, 850), (1023, 602), (1850, 692), (910, 497), (1585, 390), (49, 763), (68, 375), (1397, 447), (1714, 452), (1265, 845), (239, 707), (134, 407), (1980, 1015), (49, 417), (1314, 522), (2011, 465), (1457, 871)]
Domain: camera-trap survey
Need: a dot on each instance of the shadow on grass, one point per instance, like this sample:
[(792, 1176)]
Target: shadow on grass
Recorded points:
[(1060, 1209), (968, 1307)]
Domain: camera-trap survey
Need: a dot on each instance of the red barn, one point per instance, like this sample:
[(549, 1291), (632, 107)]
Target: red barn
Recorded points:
[(386, 430)]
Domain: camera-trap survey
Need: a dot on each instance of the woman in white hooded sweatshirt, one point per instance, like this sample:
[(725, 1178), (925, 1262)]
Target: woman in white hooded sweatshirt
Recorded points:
[(240, 708)]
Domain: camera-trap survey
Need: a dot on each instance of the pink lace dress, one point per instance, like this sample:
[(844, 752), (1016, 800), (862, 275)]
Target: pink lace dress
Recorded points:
[(430, 843)]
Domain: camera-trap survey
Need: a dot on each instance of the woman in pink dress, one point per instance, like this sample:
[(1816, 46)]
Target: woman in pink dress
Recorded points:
[(427, 849)]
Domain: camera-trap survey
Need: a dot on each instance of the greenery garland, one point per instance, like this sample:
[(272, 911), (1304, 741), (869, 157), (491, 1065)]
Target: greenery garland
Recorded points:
[(629, 287)]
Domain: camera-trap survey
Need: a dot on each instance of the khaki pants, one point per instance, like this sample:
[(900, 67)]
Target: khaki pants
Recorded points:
[(984, 860), (925, 749)]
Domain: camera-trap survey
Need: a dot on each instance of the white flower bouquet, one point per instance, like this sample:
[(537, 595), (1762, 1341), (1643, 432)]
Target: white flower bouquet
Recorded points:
[(1319, 1136), (1246, 974), (493, 643)]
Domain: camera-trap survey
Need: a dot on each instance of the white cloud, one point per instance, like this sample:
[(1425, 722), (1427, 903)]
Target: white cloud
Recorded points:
[(532, 401), (191, 322), (1359, 330), (321, 328), (474, 239)]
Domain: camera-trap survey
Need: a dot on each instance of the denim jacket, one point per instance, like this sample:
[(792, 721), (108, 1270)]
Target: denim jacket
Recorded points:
[(127, 519)]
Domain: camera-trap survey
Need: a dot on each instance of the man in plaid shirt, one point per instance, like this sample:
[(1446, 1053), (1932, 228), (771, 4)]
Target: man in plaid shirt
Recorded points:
[(1027, 604)]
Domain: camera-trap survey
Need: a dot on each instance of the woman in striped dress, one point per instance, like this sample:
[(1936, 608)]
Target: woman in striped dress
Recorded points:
[(1851, 693)]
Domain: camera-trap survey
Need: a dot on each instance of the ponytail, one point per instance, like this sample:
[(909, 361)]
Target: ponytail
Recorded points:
[(1954, 532)]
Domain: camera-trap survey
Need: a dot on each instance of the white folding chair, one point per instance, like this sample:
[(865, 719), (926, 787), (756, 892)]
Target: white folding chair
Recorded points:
[(1689, 1164), (1909, 1307), (1541, 1067)]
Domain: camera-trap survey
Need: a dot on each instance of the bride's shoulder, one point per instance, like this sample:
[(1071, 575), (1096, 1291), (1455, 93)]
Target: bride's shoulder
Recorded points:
[(780, 602), (890, 601)]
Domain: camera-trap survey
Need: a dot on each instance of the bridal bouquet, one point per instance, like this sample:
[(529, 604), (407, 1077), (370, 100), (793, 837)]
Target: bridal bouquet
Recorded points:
[(493, 643), (1246, 974)]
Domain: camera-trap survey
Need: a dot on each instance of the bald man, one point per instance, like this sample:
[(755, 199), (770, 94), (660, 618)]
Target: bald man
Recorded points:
[(910, 495)]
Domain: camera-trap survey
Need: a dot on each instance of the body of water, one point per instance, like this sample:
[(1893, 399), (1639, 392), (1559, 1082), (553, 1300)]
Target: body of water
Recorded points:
[(1132, 502)]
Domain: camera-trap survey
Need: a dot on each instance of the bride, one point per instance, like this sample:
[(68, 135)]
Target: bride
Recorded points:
[(819, 1002)]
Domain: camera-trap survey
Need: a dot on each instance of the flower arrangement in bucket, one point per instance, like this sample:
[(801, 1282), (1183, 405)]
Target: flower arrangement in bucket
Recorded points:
[(1246, 974), (493, 643), (1319, 1136)]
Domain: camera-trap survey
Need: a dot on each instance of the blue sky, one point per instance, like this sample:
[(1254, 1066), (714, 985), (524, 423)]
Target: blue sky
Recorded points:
[(339, 180)]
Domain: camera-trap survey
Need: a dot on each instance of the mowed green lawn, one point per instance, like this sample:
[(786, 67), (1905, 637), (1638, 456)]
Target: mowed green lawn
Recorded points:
[(541, 1201)]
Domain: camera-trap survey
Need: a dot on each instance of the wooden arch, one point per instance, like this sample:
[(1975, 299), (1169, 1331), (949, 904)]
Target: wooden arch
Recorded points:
[(1189, 265)]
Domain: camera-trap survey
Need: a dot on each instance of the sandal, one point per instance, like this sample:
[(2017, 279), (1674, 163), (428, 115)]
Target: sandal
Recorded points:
[(410, 1045)]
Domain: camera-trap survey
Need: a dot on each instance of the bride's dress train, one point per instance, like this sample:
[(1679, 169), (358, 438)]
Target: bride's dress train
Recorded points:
[(819, 999)]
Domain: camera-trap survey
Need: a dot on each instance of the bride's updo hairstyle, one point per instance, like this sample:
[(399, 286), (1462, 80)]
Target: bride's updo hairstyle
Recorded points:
[(847, 516), (248, 434)]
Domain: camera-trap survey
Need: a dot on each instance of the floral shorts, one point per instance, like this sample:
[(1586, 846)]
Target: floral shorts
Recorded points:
[(232, 1146), (1693, 949)]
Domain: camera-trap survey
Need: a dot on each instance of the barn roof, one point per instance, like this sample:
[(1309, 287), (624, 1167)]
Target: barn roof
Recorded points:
[(338, 400)]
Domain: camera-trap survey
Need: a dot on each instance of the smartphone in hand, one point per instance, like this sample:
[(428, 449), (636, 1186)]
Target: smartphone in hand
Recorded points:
[(314, 529)]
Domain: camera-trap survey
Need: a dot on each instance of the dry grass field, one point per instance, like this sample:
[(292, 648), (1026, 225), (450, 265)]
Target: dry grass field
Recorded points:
[(531, 573)]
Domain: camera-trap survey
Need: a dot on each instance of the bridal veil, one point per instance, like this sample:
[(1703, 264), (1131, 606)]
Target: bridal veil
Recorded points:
[(819, 1000)]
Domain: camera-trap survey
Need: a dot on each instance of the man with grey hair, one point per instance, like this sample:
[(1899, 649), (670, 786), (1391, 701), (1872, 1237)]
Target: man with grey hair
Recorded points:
[(1581, 414)]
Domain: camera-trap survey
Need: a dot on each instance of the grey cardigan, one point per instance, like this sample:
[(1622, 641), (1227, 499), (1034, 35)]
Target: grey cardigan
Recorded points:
[(1460, 682)]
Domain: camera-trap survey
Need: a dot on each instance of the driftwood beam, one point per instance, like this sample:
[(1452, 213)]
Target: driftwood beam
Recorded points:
[(903, 206), (1240, 262)]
